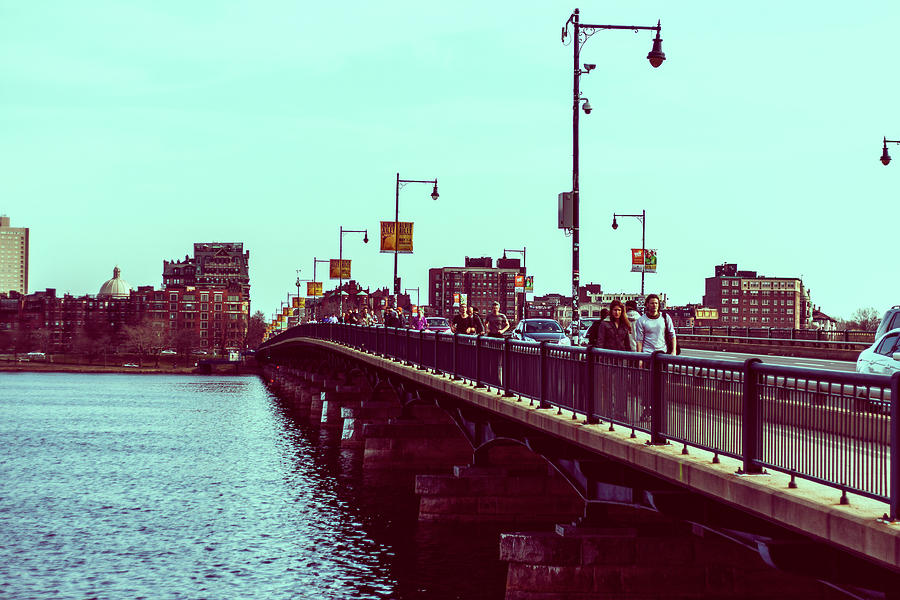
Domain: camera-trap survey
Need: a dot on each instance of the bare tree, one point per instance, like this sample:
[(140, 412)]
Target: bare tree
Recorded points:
[(185, 341), (255, 329), (864, 319), (146, 339)]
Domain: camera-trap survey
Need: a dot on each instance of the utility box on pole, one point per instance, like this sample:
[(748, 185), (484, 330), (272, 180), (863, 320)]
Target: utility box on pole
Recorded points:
[(565, 210)]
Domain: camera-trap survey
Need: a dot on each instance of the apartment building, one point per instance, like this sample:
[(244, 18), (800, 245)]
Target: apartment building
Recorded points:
[(747, 299), (13, 257)]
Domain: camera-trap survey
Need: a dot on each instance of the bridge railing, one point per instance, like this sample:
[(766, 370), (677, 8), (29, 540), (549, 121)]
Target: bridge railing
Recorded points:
[(836, 428), (782, 333)]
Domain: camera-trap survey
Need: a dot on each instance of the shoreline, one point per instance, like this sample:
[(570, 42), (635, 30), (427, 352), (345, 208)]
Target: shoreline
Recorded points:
[(38, 367)]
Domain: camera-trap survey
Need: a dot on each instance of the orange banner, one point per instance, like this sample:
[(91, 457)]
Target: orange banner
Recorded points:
[(389, 241), (336, 270)]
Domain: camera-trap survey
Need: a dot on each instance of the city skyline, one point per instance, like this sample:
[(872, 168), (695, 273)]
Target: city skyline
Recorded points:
[(133, 132)]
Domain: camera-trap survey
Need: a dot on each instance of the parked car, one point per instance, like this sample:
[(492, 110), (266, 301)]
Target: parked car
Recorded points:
[(583, 325), (891, 320), (882, 357), (540, 330), (437, 324), (130, 365), (168, 352)]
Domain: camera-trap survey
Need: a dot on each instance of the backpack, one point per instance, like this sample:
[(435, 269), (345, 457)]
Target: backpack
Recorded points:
[(669, 338)]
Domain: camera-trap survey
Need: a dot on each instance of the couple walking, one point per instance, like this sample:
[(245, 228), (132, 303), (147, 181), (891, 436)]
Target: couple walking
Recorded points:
[(652, 331)]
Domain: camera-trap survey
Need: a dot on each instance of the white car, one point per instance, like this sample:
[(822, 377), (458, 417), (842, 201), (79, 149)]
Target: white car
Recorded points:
[(882, 357)]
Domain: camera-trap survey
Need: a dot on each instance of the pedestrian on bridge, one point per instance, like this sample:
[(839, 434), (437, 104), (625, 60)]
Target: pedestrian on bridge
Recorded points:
[(654, 329), (497, 323), (477, 324), (461, 322), (419, 322), (615, 331)]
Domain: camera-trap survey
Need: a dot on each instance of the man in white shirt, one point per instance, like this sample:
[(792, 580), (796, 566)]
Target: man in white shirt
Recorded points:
[(651, 328)]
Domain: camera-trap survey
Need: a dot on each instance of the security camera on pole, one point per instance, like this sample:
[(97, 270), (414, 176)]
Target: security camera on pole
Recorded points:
[(569, 209)]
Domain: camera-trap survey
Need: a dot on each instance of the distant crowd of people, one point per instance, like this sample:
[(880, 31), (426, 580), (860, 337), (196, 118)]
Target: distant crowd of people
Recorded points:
[(620, 327)]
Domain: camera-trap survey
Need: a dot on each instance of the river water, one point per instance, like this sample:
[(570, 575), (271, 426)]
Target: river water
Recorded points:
[(153, 486)]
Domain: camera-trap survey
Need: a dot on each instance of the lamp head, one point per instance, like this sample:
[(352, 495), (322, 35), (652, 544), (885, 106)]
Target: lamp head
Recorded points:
[(656, 56), (885, 157), (366, 237), (587, 106), (589, 67), (434, 192), (614, 224)]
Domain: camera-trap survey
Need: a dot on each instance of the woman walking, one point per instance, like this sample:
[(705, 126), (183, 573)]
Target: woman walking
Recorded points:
[(616, 334)]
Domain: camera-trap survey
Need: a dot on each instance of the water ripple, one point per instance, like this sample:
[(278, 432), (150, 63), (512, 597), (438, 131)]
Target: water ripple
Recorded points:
[(130, 486)]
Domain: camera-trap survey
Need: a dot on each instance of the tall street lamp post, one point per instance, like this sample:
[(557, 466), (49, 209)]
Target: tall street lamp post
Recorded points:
[(885, 157), (400, 182), (365, 233), (524, 272), (582, 32), (643, 219), (298, 282)]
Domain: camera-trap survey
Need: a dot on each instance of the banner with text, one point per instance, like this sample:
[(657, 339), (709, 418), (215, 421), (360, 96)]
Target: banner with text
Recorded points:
[(313, 288), (336, 270), (389, 241), (520, 284), (643, 260)]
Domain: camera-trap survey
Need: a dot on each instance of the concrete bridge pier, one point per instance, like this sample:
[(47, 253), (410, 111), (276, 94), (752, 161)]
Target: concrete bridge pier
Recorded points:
[(308, 390), (511, 487), (425, 440), (642, 561)]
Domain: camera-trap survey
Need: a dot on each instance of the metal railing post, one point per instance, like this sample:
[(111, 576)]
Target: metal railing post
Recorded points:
[(407, 362), (542, 399), (894, 479), (454, 375), (478, 383), (435, 369), (504, 372), (592, 418), (657, 410), (752, 425), (421, 356)]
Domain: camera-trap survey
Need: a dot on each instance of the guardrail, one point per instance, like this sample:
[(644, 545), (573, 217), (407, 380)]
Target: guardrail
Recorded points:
[(836, 428), (769, 341), (822, 335)]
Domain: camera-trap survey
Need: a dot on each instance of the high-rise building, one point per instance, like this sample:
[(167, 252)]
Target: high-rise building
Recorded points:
[(13, 257), (745, 299)]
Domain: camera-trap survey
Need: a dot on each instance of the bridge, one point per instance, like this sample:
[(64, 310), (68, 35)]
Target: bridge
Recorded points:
[(799, 465)]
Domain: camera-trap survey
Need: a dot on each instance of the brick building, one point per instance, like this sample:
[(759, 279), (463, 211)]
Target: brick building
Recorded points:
[(207, 294), (481, 282), (746, 299)]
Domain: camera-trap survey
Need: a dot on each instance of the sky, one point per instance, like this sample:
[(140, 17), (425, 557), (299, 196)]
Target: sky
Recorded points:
[(129, 131)]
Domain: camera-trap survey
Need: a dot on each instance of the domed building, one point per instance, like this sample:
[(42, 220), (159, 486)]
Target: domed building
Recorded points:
[(115, 287)]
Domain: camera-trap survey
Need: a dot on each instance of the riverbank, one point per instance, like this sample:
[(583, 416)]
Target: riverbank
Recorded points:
[(9, 366)]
